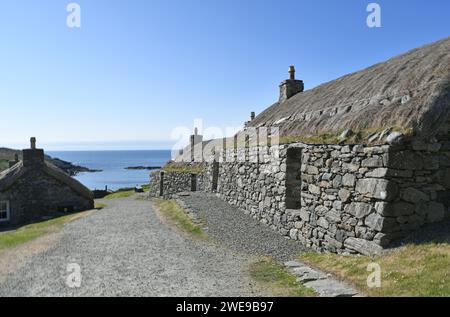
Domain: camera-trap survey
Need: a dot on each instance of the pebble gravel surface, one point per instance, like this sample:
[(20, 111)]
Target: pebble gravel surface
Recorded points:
[(125, 250), (238, 230)]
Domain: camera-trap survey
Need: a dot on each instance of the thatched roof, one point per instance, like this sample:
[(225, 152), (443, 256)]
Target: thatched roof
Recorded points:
[(410, 92), (11, 175)]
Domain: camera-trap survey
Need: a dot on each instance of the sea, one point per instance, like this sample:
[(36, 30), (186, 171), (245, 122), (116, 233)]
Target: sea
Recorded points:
[(113, 166)]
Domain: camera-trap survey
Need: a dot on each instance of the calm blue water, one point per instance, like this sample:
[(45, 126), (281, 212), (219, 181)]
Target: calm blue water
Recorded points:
[(113, 164)]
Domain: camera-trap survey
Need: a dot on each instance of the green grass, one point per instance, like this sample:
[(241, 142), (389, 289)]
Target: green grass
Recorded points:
[(99, 205), (414, 270), (324, 137), (120, 194), (4, 164), (175, 215), (184, 169), (274, 276), (124, 193), (30, 232)]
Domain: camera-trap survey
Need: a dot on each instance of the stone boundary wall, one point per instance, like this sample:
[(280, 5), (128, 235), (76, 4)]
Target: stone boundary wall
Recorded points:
[(353, 198), (174, 183), (256, 184)]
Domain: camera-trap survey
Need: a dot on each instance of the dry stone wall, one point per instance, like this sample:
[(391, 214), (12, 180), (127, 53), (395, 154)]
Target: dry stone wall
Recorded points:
[(337, 198), (175, 182), (256, 183)]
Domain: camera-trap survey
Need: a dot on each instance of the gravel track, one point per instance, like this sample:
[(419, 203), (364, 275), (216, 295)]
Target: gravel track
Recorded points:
[(124, 250), (240, 231)]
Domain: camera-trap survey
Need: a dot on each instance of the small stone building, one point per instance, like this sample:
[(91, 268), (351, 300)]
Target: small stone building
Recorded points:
[(34, 189), (363, 160)]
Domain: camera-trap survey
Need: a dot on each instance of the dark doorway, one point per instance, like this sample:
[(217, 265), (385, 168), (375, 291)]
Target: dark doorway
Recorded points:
[(193, 182), (65, 209), (215, 176), (161, 184), (293, 178)]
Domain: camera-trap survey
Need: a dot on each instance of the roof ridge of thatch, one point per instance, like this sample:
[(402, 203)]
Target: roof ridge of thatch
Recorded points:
[(374, 97), (60, 175), (11, 175), (408, 91)]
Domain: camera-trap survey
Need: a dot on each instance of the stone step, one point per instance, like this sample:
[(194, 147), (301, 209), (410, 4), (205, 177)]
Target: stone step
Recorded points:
[(323, 284), (331, 288), (306, 274)]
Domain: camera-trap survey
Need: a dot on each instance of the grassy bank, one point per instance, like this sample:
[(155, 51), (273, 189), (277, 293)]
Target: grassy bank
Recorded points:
[(414, 270), (3, 165), (272, 275), (124, 193), (120, 194), (30, 232), (175, 216)]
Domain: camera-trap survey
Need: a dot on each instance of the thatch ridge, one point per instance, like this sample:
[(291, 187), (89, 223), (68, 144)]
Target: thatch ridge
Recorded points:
[(61, 176), (11, 175), (409, 92)]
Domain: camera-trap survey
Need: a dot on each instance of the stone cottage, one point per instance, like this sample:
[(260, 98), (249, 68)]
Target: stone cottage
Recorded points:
[(33, 189), (362, 161)]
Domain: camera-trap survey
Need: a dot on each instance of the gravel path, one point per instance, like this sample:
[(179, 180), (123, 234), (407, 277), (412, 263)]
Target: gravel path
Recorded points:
[(124, 250), (238, 230)]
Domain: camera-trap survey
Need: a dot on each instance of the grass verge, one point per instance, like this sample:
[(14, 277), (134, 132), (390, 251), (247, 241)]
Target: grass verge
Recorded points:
[(30, 232), (174, 214), (99, 206), (272, 275), (3, 165), (184, 169), (413, 270), (120, 194), (127, 192)]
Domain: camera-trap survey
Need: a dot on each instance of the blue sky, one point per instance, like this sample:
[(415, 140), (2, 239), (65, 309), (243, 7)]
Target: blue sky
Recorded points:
[(137, 69)]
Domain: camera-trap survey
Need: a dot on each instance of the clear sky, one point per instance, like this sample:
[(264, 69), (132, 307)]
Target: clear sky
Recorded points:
[(137, 69)]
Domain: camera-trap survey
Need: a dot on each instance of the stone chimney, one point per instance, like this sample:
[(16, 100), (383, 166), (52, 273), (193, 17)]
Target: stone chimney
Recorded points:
[(252, 116), (196, 145), (33, 157), (291, 86)]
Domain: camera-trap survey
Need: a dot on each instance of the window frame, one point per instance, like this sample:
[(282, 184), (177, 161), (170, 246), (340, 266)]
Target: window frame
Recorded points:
[(8, 211)]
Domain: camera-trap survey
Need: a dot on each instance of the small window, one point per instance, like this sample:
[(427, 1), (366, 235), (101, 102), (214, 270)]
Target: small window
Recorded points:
[(4, 211), (65, 209)]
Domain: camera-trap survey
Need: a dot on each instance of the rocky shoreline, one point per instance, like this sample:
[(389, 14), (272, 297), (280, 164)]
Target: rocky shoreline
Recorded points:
[(7, 155), (149, 168), (70, 168)]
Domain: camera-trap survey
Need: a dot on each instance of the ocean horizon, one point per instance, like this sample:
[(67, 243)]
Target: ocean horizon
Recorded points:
[(113, 164)]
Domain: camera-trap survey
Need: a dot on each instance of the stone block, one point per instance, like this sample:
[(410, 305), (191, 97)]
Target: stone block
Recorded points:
[(435, 212), (322, 222), (349, 180), (414, 196), (374, 222), (372, 162), (337, 181), (377, 188), (362, 246), (404, 160), (359, 210), (311, 170), (313, 189)]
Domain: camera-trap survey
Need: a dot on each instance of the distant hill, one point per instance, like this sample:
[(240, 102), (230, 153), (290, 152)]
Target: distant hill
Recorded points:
[(7, 155)]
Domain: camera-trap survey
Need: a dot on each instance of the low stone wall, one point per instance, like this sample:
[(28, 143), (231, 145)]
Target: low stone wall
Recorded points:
[(338, 198), (173, 183), (256, 185)]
